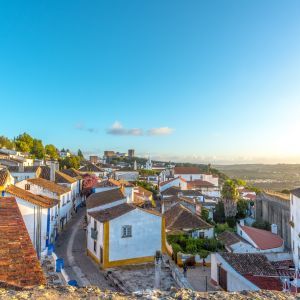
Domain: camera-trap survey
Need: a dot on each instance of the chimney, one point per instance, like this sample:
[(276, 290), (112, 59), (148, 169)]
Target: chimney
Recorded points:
[(53, 168), (21, 167), (242, 222), (274, 229)]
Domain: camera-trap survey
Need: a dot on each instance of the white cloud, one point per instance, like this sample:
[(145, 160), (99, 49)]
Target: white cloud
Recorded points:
[(160, 131), (118, 129)]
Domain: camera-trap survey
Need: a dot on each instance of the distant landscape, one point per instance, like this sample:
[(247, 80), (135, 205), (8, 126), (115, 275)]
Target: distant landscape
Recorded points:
[(274, 177)]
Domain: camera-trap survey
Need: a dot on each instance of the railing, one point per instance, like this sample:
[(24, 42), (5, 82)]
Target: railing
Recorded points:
[(94, 234)]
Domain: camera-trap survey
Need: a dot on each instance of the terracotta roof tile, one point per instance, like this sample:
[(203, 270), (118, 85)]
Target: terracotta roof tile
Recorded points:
[(170, 180), (19, 265), (4, 174), (32, 198), (61, 177), (199, 184), (262, 238), (179, 217), (49, 185), (102, 198), (72, 173), (112, 213), (230, 238), (27, 169), (90, 168)]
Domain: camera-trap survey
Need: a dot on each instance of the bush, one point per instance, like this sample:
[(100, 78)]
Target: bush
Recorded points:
[(176, 248), (203, 253), (219, 228), (191, 246), (262, 225), (231, 221)]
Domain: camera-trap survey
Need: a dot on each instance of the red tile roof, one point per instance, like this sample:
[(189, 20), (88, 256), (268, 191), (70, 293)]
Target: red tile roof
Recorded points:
[(39, 200), (199, 184), (170, 180), (187, 170), (262, 238), (4, 174), (19, 265), (49, 185)]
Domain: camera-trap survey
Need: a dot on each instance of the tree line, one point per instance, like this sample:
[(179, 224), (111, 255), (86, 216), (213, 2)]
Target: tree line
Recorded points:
[(35, 148)]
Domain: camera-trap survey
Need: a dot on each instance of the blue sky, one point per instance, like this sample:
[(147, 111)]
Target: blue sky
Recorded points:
[(202, 81)]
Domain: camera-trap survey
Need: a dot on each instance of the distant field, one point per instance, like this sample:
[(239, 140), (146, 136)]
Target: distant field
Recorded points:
[(274, 177)]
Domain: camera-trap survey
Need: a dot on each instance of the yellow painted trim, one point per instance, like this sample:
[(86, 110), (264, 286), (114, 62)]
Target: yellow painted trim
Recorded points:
[(105, 245), (130, 261), (93, 256), (163, 235)]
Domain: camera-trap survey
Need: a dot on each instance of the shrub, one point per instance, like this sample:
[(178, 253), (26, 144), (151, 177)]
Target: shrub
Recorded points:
[(203, 253), (231, 221), (262, 225), (176, 248), (191, 246), (219, 228)]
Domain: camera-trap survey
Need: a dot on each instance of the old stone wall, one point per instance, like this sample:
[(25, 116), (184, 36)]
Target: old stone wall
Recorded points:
[(275, 209)]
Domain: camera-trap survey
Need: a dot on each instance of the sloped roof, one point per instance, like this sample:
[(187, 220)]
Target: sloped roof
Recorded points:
[(32, 198), (102, 198), (61, 177), (27, 169), (229, 238), (45, 172), (256, 268), (296, 192), (108, 183), (199, 184), (72, 173), (170, 180), (264, 239), (49, 185), (90, 168), (179, 217), (187, 170), (142, 191), (171, 191), (112, 213), (18, 260)]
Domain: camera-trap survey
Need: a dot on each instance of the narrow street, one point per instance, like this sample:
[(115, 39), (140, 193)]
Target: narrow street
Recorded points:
[(71, 246)]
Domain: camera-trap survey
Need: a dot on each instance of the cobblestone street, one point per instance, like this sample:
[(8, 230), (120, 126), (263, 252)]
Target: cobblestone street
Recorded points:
[(71, 246)]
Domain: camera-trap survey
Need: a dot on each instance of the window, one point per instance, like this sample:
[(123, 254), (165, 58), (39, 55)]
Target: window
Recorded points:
[(126, 231), (27, 186), (201, 235), (95, 246), (95, 225)]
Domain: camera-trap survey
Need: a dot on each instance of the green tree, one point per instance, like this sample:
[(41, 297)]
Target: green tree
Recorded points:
[(37, 149), (80, 154), (229, 191), (6, 143), (242, 206), (205, 214), (72, 161), (24, 142), (52, 151), (219, 214)]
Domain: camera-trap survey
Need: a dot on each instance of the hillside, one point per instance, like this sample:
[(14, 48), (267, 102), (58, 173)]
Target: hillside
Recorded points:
[(275, 177)]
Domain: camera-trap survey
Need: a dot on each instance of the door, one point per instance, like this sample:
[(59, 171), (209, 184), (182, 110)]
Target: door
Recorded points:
[(222, 278), (101, 255)]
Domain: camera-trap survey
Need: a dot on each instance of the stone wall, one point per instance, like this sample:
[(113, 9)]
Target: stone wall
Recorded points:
[(71, 293), (275, 209)]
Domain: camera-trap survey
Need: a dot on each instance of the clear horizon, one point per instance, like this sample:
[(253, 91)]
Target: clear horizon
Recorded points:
[(199, 81)]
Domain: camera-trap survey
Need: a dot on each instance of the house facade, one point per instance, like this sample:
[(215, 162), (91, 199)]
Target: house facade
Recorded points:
[(295, 225)]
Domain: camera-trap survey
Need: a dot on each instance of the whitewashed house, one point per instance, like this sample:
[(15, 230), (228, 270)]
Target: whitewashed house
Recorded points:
[(174, 182), (24, 172), (181, 219), (120, 233), (124, 234), (129, 175), (261, 240), (235, 272), (40, 215), (40, 186)]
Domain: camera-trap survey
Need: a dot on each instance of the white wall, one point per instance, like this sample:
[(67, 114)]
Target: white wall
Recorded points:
[(106, 188), (19, 176), (295, 217), (177, 183), (235, 281), (145, 240), (90, 241)]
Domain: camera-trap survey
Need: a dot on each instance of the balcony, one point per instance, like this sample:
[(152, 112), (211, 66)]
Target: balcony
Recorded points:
[(94, 234)]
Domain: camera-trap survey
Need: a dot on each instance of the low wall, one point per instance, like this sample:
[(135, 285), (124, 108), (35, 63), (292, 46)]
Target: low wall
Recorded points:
[(279, 256)]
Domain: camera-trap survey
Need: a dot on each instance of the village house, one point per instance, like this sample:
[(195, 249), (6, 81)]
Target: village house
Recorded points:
[(261, 240), (52, 190), (192, 204), (143, 197), (179, 219), (40, 215), (121, 233), (93, 169), (127, 175), (205, 187), (235, 272), (177, 182), (194, 173), (235, 243), (20, 266), (24, 172)]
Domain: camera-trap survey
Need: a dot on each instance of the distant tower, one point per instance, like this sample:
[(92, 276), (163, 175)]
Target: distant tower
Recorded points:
[(131, 153), (135, 165), (149, 164)]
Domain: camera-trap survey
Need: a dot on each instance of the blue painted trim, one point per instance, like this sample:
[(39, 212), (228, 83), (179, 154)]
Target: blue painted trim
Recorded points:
[(48, 228)]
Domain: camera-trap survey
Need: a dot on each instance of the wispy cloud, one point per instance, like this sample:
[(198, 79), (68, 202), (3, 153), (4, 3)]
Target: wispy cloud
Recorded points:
[(118, 129), (81, 126), (160, 131)]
